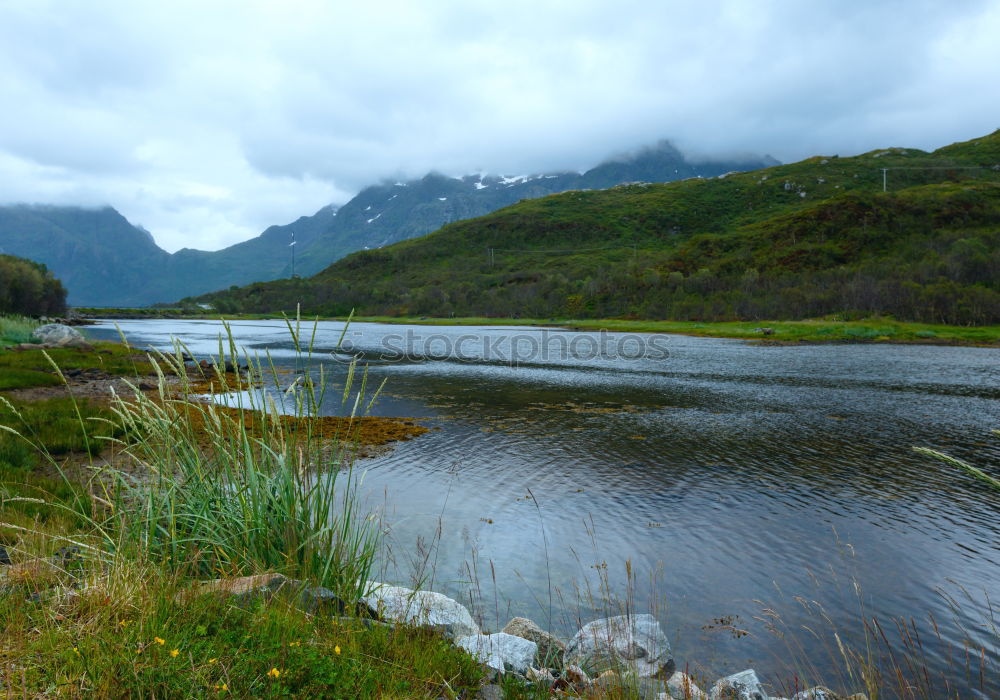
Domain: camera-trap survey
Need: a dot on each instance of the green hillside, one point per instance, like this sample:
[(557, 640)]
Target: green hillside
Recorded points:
[(792, 241)]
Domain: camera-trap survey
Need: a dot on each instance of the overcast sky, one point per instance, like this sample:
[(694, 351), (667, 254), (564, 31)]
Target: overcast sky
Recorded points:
[(208, 121)]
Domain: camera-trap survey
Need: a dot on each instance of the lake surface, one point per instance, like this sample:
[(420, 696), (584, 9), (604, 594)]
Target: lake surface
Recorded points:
[(763, 489)]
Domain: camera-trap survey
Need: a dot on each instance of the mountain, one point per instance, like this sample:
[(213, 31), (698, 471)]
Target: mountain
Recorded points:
[(396, 211), (893, 231), (99, 256), (106, 261)]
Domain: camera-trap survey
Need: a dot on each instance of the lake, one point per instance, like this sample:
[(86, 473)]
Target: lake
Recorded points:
[(746, 488)]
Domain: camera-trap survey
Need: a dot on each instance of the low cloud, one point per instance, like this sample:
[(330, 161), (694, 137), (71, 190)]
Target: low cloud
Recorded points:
[(208, 122)]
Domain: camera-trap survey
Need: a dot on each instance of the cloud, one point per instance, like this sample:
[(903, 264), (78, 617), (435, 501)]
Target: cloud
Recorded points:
[(207, 122)]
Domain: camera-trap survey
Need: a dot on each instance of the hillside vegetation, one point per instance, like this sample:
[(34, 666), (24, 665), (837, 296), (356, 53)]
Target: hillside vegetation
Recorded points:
[(28, 288), (807, 239), (104, 260)]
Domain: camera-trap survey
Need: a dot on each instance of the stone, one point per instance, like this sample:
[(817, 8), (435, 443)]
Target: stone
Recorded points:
[(245, 588), (4, 557), (420, 609), (490, 692), (540, 676), (314, 599), (500, 651), (627, 642), (550, 647), (739, 686), (59, 335), (681, 686)]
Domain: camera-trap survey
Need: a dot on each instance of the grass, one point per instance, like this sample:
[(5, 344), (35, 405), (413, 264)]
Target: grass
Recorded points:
[(825, 330), (37, 368), (16, 329), (55, 426), (809, 331), (195, 492), (127, 635)]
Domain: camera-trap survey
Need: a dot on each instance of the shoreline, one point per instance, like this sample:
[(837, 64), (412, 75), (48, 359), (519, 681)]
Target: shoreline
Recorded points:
[(769, 333)]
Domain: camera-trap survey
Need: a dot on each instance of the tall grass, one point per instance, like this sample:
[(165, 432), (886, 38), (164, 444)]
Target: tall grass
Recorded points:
[(16, 329), (197, 490), (217, 495)]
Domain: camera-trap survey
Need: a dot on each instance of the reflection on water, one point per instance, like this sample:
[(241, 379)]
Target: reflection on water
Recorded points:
[(730, 477)]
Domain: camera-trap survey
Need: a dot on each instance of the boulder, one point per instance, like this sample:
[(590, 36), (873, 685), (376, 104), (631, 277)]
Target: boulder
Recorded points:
[(740, 686), (312, 599), (501, 652), (627, 642), (59, 335), (420, 609), (550, 648), (245, 588)]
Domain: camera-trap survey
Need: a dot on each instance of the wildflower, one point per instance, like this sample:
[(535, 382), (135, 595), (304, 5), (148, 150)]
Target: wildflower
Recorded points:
[(295, 644), (274, 673), (336, 649), (123, 622), (76, 651), (212, 660), (159, 640), (221, 686), (175, 652)]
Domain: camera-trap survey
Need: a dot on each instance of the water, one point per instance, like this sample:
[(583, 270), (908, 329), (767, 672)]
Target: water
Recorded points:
[(752, 488)]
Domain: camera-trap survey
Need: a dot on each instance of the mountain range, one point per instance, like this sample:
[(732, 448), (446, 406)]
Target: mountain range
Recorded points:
[(895, 231), (103, 260)]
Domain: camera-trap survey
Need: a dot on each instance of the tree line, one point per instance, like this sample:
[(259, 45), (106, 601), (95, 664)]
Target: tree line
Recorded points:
[(28, 288)]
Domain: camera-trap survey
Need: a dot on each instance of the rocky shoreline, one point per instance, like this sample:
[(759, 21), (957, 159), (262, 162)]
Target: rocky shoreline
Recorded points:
[(621, 656)]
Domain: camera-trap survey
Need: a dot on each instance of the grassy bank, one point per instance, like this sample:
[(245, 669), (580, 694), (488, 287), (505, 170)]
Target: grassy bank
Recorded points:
[(98, 600), (810, 331), (806, 331)]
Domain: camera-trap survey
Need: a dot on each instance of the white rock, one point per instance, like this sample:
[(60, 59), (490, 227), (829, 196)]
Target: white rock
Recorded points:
[(817, 693), (740, 686), (634, 643), (501, 651), (420, 609), (58, 334)]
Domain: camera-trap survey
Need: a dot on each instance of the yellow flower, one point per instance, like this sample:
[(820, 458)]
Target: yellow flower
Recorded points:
[(336, 649), (295, 644), (159, 641), (175, 652), (76, 651), (274, 673), (123, 622), (221, 686), (212, 661)]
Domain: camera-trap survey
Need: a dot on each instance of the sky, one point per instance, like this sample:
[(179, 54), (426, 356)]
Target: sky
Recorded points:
[(205, 122)]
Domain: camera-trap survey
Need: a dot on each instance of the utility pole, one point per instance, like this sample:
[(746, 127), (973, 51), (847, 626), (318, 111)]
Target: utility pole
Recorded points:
[(292, 246), (885, 179)]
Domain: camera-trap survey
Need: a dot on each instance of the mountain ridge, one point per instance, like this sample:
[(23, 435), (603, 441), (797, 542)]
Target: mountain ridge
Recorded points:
[(124, 267), (798, 240)]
